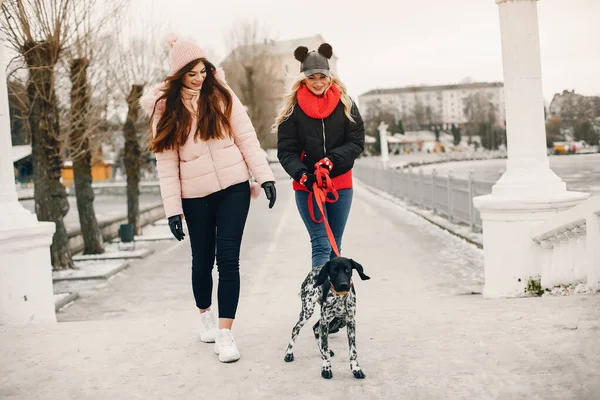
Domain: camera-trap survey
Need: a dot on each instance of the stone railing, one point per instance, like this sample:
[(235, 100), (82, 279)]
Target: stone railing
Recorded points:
[(570, 247), (110, 228), (118, 188)]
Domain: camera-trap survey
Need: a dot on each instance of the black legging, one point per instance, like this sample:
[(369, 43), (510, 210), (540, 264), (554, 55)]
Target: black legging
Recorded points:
[(217, 219)]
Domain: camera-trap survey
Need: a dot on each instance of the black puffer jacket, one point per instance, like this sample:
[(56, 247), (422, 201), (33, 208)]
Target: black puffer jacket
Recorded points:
[(335, 137)]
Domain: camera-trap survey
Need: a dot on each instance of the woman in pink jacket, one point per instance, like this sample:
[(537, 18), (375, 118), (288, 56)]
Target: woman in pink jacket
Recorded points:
[(206, 148)]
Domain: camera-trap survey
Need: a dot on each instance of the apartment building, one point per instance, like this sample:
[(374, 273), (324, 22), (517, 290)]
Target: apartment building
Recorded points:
[(445, 103)]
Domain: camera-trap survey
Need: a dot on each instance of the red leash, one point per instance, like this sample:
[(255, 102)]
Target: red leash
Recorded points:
[(320, 195)]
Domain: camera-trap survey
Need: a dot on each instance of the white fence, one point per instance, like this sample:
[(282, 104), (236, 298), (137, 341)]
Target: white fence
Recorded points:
[(570, 243), (445, 195)]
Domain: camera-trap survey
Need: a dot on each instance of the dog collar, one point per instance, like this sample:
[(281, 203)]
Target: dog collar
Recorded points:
[(340, 293)]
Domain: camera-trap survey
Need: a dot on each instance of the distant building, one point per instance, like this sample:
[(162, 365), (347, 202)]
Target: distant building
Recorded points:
[(445, 102), (22, 163), (281, 54), (290, 67), (261, 74)]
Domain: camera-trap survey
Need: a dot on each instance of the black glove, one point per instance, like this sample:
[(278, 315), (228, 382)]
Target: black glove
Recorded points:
[(308, 180), (176, 227), (271, 192)]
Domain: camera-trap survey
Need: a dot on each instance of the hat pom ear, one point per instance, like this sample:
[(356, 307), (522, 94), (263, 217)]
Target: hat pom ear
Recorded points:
[(172, 38), (300, 53), (325, 50)]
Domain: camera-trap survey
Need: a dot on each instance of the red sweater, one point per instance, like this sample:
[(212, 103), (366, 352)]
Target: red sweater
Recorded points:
[(343, 181)]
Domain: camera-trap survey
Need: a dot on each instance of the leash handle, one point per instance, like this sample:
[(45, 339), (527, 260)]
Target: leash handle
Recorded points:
[(320, 196)]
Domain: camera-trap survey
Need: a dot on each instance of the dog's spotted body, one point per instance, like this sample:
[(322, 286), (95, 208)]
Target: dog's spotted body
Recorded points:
[(332, 288)]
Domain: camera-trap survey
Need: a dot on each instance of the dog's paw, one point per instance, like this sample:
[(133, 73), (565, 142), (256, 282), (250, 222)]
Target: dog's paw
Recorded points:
[(331, 353), (289, 357), (326, 373), (359, 374)]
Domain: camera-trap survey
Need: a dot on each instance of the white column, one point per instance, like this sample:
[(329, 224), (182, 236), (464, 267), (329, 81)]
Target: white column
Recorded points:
[(529, 192), (385, 153), (26, 293), (527, 168)]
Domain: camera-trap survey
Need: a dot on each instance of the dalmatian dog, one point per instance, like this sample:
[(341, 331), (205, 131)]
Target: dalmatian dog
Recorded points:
[(332, 287)]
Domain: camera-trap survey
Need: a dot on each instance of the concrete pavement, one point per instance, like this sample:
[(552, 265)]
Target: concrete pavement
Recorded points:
[(420, 334)]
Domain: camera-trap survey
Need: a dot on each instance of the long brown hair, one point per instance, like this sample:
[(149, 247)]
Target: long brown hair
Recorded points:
[(214, 111)]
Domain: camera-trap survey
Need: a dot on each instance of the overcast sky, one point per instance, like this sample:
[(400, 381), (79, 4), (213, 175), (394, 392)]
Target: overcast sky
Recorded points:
[(390, 43)]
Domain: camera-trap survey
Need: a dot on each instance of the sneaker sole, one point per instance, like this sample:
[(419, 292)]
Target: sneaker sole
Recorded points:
[(228, 361), (225, 361)]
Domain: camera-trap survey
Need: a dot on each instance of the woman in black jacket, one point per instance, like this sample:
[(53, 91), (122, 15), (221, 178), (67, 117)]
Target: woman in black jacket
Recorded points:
[(319, 125)]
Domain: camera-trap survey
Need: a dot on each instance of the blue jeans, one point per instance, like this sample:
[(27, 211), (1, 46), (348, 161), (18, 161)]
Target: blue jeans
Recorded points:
[(337, 215)]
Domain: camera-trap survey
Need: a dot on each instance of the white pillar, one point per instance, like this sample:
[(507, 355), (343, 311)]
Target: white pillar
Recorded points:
[(26, 293), (385, 153), (529, 192)]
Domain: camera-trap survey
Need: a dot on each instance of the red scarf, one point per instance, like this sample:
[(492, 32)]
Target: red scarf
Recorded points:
[(318, 107)]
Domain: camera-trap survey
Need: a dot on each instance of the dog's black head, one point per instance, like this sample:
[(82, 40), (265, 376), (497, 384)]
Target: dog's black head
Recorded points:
[(339, 272)]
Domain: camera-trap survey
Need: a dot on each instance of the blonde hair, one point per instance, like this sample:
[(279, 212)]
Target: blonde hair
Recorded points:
[(290, 100)]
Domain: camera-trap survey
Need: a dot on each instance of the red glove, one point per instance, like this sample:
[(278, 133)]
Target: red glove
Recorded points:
[(324, 163)]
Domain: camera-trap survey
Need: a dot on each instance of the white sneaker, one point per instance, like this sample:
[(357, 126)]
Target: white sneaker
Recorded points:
[(225, 346), (208, 327)]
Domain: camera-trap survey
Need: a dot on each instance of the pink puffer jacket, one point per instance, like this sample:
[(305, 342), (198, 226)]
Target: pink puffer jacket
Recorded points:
[(200, 168)]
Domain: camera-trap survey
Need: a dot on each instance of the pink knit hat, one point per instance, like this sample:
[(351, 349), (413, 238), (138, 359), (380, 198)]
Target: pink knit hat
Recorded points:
[(182, 52)]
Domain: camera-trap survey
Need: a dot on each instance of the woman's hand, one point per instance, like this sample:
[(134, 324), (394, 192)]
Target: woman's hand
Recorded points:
[(176, 227), (324, 163), (308, 180), (271, 192)]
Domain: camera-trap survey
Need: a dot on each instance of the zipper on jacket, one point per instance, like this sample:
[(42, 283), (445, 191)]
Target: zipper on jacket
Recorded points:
[(324, 145), (213, 165)]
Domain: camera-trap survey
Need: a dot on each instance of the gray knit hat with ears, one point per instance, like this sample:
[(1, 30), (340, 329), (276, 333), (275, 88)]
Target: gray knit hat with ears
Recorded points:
[(314, 62)]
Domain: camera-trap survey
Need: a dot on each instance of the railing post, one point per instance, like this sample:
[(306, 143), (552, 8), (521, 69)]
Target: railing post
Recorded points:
[(450, 196), (421, 188), (471, 195), (410, 184), (433, 175), (399, 184)]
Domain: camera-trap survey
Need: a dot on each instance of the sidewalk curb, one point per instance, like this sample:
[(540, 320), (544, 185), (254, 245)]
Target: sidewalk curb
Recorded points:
[(134, 254), (142, 239), (66, 300), (104, 276), (446, 225)]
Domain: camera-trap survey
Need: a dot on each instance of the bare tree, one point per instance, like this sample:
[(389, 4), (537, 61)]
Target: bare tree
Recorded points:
[(17, 104), (377, 113), (481, 117), (553, 133), (84, 123), (82, 159), (39, 30), (418, 115), (250, 68), (135, 61)]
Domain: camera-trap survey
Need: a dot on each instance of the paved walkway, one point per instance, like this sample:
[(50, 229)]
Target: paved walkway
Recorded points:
[(420, 335)]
